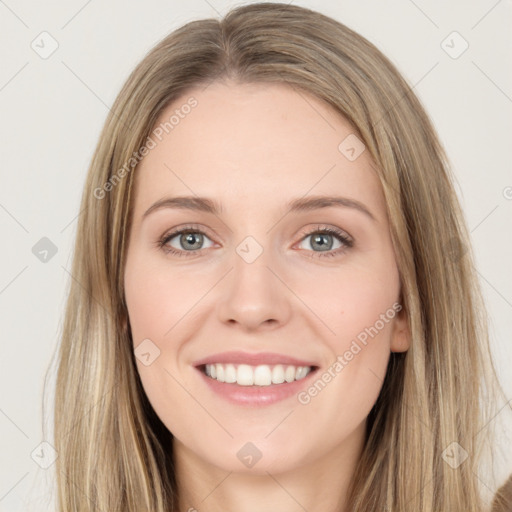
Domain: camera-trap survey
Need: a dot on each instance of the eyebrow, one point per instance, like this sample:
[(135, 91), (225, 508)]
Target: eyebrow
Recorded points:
[(302, 204)]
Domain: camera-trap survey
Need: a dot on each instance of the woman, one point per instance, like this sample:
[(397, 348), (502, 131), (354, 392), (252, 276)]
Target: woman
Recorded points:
[(321, 343)]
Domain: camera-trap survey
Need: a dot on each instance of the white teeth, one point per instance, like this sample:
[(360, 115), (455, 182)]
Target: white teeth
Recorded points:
[(289, 374), (261, 375), (219, 370), (278, 374), (230, 374), (302, 371), (244, 375)]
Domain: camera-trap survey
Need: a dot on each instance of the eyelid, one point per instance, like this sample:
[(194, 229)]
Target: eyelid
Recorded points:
[(326, 228), (162, 242), (346, 241)]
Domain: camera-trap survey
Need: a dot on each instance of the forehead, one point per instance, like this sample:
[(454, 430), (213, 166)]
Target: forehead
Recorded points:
[(256, 141)]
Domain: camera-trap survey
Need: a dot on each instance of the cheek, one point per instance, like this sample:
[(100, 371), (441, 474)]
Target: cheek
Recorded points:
[(352, 299), (359, 304), (157, 299), (160, 303), (364, 318)]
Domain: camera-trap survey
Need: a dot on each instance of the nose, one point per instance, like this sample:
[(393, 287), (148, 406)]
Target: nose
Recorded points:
[(253, 297)]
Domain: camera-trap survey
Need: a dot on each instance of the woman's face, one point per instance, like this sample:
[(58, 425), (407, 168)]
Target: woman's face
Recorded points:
[(284, 284)]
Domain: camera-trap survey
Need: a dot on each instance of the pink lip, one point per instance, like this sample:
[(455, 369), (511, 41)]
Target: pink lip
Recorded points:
[(254, 396), (252, 359)]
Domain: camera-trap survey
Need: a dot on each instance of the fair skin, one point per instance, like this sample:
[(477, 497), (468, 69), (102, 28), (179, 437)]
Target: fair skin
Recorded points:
[(252, 148)]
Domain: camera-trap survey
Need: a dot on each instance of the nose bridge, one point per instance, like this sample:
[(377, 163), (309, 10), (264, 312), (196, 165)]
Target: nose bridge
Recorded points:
[(254, 295)]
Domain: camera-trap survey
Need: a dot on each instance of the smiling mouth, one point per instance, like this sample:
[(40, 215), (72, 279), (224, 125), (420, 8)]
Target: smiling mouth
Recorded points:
[(260, 375)]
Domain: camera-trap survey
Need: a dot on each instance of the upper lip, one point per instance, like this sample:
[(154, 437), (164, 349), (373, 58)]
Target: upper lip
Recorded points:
[(254, 359)]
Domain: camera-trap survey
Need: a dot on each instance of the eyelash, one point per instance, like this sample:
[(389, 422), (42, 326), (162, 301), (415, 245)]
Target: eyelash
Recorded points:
[(338, 234)]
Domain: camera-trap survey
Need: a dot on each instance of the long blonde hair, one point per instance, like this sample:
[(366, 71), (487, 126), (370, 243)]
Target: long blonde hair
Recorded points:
[(114, 452)]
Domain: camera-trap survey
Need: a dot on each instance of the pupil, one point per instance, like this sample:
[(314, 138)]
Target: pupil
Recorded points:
[(321, 242), (194, 239)]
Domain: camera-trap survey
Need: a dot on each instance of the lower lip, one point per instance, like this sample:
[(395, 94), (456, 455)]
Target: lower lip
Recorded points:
[(255, 396)]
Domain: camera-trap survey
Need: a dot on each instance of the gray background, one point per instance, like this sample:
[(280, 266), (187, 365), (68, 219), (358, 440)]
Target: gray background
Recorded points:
[(52, 110)]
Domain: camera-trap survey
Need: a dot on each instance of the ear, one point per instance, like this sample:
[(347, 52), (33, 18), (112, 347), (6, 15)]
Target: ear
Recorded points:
[(401, 335)]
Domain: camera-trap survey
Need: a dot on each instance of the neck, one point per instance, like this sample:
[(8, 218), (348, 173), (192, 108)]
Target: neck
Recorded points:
[(319, 485)]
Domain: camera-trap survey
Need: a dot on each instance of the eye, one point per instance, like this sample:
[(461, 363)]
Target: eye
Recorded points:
[(330, 241), (189, 240), (184, 241)]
